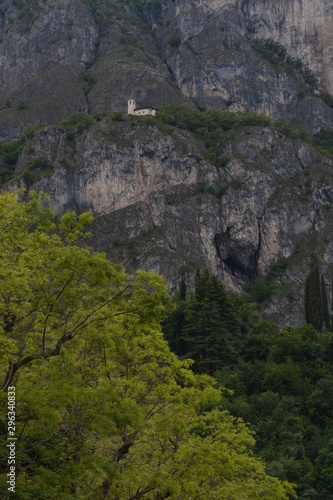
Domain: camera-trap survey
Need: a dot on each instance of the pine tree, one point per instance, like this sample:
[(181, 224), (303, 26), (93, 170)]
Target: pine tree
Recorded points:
[(175, 322), (313, 296), (182, 289), (326, 315), (211, 324), (307, 300), (332, 301)]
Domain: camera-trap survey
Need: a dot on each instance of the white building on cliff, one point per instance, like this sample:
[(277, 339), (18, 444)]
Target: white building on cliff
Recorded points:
[(133, 110)]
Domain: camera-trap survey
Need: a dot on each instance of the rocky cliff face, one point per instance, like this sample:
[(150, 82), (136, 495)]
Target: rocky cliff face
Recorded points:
[(40, 69), (304, 27), (217, 67), (199, 52), (160, 205)]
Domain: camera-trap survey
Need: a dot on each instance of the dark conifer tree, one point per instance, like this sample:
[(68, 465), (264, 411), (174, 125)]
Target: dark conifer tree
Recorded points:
[(307, 300), (175, 322), (211, 324), (332, 301), (182, 289), (313, 296), (326, 315)]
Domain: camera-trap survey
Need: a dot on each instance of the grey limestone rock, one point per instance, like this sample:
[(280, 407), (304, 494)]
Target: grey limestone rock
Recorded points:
[(275, 200)]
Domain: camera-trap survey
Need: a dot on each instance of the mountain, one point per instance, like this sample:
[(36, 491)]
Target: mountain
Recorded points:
[(250, 202)]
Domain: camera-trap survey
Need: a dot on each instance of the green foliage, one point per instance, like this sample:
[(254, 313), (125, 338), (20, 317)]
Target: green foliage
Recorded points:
[(21, 104), (174, 40), (327, 98), (89, 81), (323, 141), (279, 381), (76, 123), (324, 301), (217, 190), (270, 50), (277, 55), (29, 11), (117, 116), (123, 39), (10, 152), (35, 168), (287, 130), (260, 291), (206, 327), (103, 408), (315, 297), (213, 127), (106, 12)]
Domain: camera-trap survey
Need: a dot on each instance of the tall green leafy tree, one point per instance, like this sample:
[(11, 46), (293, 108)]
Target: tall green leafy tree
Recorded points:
[(103, 408)]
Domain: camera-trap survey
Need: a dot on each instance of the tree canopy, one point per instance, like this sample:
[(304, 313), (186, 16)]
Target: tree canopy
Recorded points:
[(279, 380), (103, 408)]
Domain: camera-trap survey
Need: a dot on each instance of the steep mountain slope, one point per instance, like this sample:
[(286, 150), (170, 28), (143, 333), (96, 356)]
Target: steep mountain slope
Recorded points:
[(60, 57), (160, 204), (161, 201)]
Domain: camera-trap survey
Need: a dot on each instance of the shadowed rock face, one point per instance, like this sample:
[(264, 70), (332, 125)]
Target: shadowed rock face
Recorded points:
[(42, 67), (159, 204), (304, 27), (144, 189), (197, 52), (218, 69)]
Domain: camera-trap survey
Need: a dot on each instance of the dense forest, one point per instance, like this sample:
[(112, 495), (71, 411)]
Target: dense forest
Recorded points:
[(280, 381)]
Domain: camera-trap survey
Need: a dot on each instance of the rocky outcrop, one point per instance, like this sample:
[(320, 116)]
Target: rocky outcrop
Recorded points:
[(160, 205), (304, 27), (40, 69), (216, 66), (197, 52), (64, 64)]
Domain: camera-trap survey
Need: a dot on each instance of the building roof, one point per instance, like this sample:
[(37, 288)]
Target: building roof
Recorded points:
[(144, 107)]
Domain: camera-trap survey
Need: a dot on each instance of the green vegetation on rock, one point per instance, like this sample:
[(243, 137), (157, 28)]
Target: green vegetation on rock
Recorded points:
[(323, 141), (277, 55), (213, 127), (28, 11), (10, 152)]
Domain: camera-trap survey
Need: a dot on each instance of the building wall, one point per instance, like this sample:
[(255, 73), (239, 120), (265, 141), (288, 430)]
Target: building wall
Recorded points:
[(145, 111), (141, 111)]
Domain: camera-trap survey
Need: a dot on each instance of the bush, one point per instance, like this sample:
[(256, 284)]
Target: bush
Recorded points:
[(327, 98), (21, 104), (323, 141), (89, 81), (174, 40), (78, 121)]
